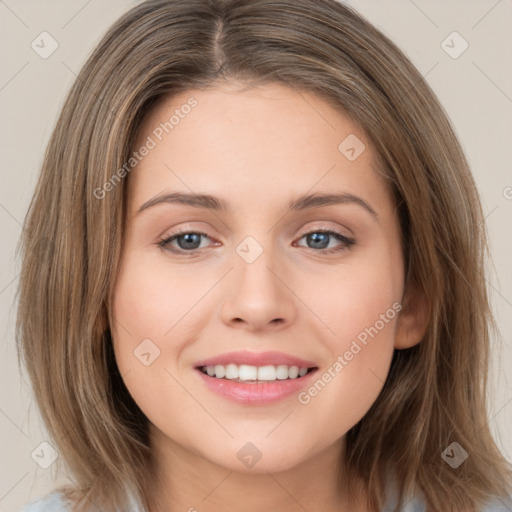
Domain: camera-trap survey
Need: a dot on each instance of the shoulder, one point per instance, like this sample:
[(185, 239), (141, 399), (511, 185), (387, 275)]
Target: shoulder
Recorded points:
[(417, 504), (493, 505), (56, 501), (498, 505), (53, 502)]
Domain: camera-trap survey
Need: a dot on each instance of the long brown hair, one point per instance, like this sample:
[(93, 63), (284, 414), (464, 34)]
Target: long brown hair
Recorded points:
[(435, 393)]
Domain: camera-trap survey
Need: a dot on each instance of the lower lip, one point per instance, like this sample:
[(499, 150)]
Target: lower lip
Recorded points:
[(256, 393)]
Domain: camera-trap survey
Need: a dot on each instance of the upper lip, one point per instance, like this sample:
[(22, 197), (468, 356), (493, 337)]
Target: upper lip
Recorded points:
[(256, 359)]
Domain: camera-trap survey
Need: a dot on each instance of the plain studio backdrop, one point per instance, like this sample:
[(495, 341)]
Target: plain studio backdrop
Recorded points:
[(462, 48)]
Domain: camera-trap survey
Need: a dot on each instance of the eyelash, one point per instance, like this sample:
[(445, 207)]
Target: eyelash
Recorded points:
[(165, 242)]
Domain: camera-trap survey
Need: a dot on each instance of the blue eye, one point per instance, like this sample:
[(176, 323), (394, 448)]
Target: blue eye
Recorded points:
[(187, 241), (190, 241), (320, 240)]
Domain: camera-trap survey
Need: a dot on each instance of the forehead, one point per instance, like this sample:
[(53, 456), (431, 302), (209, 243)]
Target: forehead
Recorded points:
[(272, 140)]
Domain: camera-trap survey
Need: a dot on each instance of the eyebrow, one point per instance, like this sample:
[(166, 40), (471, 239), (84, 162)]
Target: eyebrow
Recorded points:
[(209, 202)]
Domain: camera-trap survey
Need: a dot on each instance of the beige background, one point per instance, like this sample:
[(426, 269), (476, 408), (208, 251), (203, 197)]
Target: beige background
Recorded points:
[(475, 89)]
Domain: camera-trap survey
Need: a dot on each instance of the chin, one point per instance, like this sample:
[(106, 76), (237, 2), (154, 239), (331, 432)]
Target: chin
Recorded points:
[(253, 458)]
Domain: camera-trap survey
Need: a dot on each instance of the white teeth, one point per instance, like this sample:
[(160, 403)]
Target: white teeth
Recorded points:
[(245, 372), (267, 373), (293, 372), (220, 371), (231, 371), (282, 372)]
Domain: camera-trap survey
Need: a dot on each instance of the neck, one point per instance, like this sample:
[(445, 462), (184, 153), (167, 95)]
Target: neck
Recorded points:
[(187, 481)]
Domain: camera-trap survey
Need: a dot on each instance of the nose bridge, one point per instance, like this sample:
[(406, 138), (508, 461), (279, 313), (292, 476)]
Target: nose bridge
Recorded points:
[(257, 296), (253, 267)]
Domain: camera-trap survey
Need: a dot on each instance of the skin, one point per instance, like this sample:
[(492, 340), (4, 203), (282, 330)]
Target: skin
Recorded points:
[(256, 149)]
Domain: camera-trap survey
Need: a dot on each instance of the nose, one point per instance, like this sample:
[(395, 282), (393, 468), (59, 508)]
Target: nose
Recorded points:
[(258, 296)]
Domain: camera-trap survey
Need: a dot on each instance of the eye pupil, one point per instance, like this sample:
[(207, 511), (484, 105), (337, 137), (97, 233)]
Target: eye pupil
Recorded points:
[(189, 242), (190, 238), (319, 238)]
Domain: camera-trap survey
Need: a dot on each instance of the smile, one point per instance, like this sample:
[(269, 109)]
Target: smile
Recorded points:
[(273, 387), (247, 373)]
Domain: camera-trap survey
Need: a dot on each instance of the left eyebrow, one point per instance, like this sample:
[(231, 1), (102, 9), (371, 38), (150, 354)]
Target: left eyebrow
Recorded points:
[(319, 200), (304, 202)]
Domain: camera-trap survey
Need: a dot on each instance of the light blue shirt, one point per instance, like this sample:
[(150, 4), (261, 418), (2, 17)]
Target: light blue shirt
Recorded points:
[(54, 502)]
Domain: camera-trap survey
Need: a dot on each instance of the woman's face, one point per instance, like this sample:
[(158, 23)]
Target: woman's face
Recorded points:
[(292, 260)]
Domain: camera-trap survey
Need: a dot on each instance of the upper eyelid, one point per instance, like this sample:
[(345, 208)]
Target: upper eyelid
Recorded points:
[(345, 231), (303, 233), (334, 233)]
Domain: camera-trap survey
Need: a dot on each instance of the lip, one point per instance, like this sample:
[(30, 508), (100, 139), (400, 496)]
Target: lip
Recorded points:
[(256, 393), (256, 359)]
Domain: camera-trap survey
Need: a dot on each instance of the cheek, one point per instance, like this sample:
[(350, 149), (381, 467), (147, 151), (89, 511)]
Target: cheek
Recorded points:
[(362, 297), (361, 313), (154, 307), (149, 300), (142, 310)]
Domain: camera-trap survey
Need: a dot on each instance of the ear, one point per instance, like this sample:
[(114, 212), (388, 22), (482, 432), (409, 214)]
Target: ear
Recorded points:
[(413, 319)]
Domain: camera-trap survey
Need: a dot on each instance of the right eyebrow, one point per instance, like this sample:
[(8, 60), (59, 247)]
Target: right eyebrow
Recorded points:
[(196, 200), (301, 203)]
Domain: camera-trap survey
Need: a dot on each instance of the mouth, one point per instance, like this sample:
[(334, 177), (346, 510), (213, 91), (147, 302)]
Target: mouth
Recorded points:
[(249, 385), (255, 378), (249, 374)]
